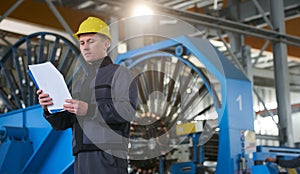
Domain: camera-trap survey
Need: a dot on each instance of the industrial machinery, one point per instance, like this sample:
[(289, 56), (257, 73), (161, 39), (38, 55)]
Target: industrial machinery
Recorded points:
[(27, 142), (201, 79), (195, 109)]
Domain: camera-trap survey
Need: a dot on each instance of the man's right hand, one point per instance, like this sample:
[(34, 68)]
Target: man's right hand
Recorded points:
[(44, 99)]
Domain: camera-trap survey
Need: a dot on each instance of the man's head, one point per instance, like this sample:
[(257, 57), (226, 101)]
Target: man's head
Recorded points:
[(94, 37)]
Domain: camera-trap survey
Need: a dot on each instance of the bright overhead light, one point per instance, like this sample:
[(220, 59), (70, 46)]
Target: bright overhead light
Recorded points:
[(142, 10)]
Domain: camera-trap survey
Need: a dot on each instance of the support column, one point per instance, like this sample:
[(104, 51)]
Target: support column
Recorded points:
[(282, 76)]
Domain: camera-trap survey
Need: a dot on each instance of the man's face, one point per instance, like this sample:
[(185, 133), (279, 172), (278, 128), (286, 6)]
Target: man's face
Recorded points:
[(93, 46)]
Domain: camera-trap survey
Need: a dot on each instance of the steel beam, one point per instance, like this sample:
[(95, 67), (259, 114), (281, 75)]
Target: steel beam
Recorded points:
[(262, 12), (282, 76), (61, 19), (11, 9)]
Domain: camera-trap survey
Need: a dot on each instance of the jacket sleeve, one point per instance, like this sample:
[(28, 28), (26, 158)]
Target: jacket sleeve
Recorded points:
[(60, 120), (293, 163), (124, 101)]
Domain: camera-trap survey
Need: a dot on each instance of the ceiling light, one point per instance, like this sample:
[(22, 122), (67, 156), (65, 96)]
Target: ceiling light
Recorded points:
[(142, 10)]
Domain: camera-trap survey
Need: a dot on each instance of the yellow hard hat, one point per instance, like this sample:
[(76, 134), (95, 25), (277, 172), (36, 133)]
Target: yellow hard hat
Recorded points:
[(93, 25)]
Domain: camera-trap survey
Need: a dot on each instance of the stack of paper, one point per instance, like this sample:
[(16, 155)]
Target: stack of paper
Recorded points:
[(51, 81)]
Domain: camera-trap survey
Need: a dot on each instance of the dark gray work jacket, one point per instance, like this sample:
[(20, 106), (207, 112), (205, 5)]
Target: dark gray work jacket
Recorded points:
[(111, 91)]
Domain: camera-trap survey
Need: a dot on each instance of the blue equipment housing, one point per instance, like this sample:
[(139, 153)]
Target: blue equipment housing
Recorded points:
[(30, 145), (235, 113)]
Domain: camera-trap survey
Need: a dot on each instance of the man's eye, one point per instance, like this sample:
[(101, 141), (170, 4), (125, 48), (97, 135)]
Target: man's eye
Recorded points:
[(91, 41)]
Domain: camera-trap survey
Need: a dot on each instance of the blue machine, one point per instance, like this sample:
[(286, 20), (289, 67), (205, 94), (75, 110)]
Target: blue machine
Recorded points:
[(235, 111), (47, 151)]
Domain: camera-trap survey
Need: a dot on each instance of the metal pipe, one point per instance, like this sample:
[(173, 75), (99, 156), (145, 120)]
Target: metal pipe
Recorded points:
[(261, 52), (61, 20), (41, 48), (11, 9), (19, 75), (5, 99), (265, 107), (30, 92), (261, 11)]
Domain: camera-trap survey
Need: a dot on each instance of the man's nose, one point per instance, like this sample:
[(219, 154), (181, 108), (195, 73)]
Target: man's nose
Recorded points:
[(86, 46)]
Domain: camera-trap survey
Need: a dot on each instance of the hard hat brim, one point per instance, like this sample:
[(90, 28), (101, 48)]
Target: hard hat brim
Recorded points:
[(77, 35)]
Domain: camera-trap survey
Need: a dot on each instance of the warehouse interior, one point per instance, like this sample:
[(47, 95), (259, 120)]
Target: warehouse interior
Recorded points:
[(226, 73)]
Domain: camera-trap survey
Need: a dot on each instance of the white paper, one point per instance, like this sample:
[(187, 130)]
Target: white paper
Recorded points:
[(52, 82)]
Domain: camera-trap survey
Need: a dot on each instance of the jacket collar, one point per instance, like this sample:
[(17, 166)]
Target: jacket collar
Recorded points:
[(100, 63), (91, 68), (105, 61)]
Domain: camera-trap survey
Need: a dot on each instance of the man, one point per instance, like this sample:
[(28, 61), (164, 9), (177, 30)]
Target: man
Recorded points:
[(103, 102)]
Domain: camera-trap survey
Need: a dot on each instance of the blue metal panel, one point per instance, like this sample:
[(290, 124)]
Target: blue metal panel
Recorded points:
[(261, 169), (15, 121), (14, 155), (46, 151), (238, 116), (54, 156)]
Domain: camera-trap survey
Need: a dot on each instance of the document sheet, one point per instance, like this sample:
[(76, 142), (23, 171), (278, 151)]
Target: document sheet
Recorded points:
[(51, 81)]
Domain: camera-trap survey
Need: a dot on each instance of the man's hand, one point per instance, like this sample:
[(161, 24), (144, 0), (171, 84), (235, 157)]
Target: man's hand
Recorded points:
[(44, 99), (76, 106), (269, 159)]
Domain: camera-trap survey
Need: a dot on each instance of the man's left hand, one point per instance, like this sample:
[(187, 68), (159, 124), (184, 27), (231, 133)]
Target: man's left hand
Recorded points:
[(76, 106)]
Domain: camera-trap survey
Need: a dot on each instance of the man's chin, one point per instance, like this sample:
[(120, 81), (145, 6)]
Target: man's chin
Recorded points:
[(89, 59)]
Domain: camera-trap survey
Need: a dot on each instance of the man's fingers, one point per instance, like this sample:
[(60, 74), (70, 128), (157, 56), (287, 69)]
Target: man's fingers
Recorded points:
[(38, 92), (44, 98), (69, 106), (69, 100)]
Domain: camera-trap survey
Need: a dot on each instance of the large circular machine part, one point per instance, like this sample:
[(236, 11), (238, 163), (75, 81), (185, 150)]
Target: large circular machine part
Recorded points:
[(174, 88), (17, 89), (182, 80)]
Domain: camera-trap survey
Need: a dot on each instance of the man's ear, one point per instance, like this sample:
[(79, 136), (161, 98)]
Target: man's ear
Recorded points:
[(107, 44)]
